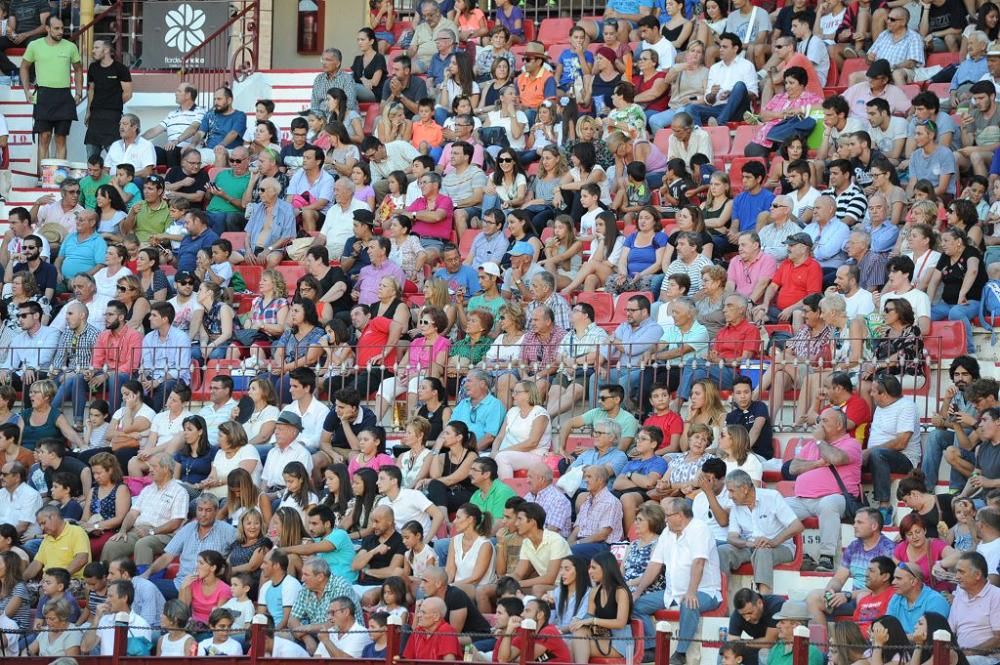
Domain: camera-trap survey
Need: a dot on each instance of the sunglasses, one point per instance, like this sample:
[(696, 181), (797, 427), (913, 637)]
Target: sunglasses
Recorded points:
[(121, 288), (186, 282), (505, 160)]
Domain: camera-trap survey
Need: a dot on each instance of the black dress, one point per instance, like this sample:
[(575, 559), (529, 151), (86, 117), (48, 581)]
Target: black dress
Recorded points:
[(377, 64)]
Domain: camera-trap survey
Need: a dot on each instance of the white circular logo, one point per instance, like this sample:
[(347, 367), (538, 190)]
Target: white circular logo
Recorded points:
[(184, 28)]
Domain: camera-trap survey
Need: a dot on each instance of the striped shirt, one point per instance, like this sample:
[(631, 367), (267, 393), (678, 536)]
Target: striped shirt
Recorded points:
[(178, 120), (851, 203), (187, 543), (75, 351)]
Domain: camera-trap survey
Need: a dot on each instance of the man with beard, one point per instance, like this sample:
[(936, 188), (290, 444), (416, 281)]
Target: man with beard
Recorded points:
[(74, 354), (109, 87), (116, 356), (220, 129), (54, 104), (30, 259), (963, 371)]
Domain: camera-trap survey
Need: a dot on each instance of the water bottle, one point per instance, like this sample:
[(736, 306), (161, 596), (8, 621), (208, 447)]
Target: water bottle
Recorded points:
[(469, 653)]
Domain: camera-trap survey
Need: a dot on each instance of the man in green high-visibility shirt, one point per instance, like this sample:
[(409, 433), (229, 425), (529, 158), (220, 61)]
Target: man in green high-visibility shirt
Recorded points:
[(55, 104)]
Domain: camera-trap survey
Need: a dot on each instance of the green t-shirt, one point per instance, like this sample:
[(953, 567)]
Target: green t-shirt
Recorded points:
[(493, 502), (627, 421), (233, 186), (88, 189), (52, 61), (777, 655), (151, 220), (491, 306)]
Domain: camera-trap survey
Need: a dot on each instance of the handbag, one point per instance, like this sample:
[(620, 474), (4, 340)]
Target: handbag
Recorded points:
[(789, 127), (852, 504)]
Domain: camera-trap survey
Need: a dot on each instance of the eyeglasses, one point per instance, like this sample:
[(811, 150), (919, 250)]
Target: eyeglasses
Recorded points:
[(186, 282), (505, 160), (233, 160)]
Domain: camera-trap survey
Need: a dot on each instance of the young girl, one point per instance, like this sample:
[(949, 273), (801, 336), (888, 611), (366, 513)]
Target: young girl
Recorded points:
[(221, 643), (511, 17), (317, 130), (393, 203), (96, 427), (298, 491), (359, 509), (717, 209), (419, 556), (371, 455), (336, 345), (394, 599), (240, 605), (544, 132), (604, 251), (174, 620), (204, 590), (393, 125), (962, 536), (562, 251), (337, 487), (361, 176), (793, 149), (131, 242)]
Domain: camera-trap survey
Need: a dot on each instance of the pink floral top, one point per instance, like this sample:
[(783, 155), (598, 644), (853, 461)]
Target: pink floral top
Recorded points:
[(781, 103)]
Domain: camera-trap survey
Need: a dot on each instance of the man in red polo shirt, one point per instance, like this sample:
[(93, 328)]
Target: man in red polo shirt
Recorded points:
[(434, 638), (838, 392), (736, 341), (377, 340), (797, 276)]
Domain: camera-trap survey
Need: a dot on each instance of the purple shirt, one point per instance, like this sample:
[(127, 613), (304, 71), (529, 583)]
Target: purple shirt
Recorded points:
[(370, 276)]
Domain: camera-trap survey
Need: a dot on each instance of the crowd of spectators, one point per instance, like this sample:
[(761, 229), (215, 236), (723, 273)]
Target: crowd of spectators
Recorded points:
[(449, 269)]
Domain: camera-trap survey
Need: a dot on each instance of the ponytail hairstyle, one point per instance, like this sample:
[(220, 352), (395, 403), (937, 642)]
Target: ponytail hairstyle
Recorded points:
[(483, 520)]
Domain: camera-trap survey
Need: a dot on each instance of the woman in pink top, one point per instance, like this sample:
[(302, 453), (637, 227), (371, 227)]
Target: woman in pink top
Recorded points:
[(916, 548), (371, 451), (426, 356), (205, 590)]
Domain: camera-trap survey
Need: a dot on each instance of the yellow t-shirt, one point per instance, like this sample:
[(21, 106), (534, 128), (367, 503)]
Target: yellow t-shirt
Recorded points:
[(552, 547), (59, 552)]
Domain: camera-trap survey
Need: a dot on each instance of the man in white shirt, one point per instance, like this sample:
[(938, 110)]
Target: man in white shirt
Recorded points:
[(384, 158), (887, 132), (687, 554), (893, 439), (220, 405), (712, 505), (287, 448), (653, 40), (761, 528), (346, 637), (19, 501), (731, 83), (131, 148), (407, 504), (311, 412), (899, 284), (687, 140), (803, 194), (338, 225), (859, 302), (121, 595)]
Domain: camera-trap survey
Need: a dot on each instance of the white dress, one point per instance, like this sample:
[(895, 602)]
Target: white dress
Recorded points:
[(465, 563), (519, 429)]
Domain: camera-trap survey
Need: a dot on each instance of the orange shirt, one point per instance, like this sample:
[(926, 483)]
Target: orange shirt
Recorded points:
[(532, 88), (430, 132)]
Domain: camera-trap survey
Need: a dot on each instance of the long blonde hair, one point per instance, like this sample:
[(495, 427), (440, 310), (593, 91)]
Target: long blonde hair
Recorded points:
[(713, 401), (740, 439)]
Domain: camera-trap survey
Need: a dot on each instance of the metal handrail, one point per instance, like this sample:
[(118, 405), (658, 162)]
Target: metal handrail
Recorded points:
[(246, 51)]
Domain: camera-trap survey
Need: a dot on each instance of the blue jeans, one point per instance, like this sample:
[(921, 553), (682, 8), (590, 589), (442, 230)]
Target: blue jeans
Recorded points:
[(883, 462), (643, 609), (75, 387), (589, 550), (938, 440), (226, 221), (736, 105), (159, 395), (218, 353), (689, 619), (661, 120), (942, 311), (721, 375)]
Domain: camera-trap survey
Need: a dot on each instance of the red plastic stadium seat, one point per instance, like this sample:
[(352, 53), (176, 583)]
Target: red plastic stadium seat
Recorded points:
[(662, 139), (851, 66), (720, 611), (237, 238), (941, 90), (291, 273), (556, 49), (554, 30), (789, 453), (946, 340), (943, 59), (720, 140), (519, 485), (251, 275), (529, 29), (172, 568), (638, 635), (602, 302), (465, 242), (831, 77), (744, 134)]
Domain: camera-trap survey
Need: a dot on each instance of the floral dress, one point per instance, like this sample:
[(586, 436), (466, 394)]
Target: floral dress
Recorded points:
[(405, 255), (634, 118), (636, 561), (684, 472), (806, 346), (781, 103), (908, 347)]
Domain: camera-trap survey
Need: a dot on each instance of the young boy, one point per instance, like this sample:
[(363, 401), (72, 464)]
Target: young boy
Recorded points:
[(590, 200), (976, 192), (176, 230), (221, 271), (427, 135), (574, 62), (753, 415), (220, 643), (669, 422), (55, 584), (636, 194), (701, 174), (124, 175), (240, 605), (95, 577)]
